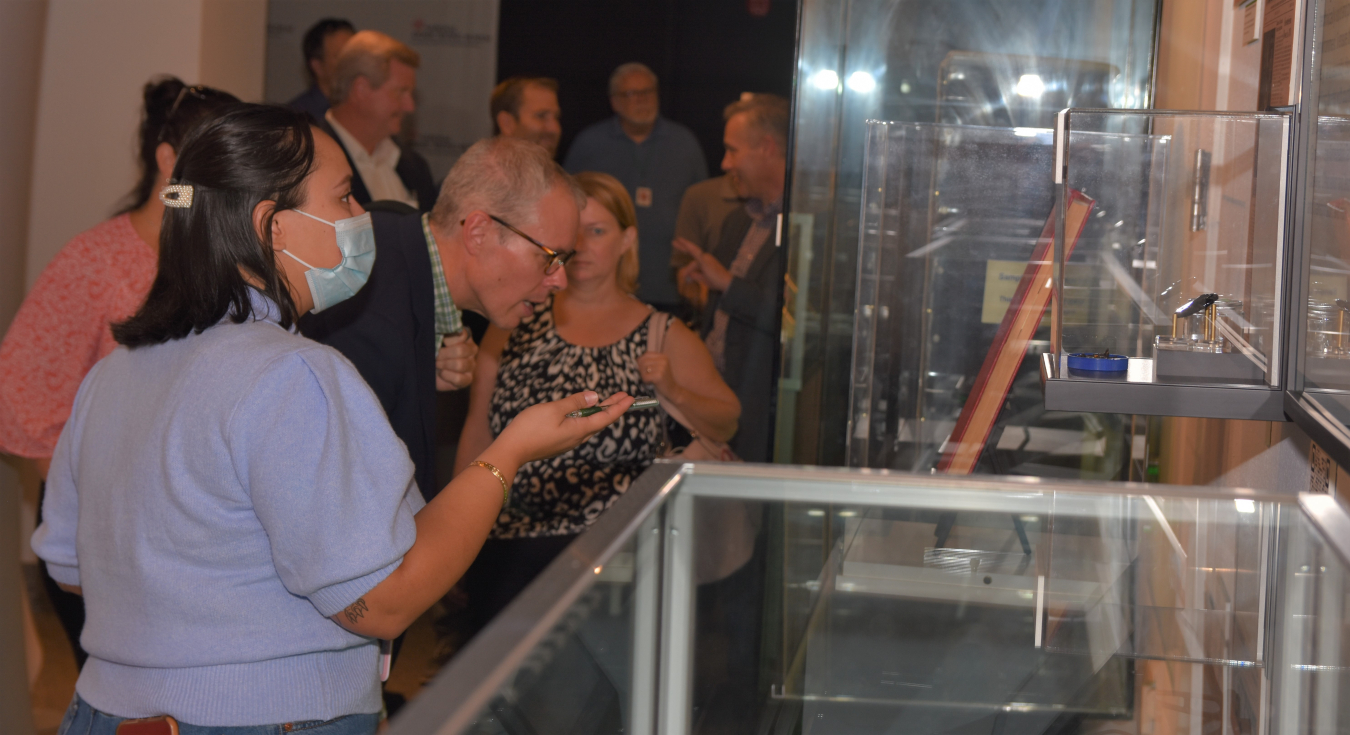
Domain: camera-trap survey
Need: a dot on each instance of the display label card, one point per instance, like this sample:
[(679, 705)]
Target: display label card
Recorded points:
[(1000, 284), (1322, 471)]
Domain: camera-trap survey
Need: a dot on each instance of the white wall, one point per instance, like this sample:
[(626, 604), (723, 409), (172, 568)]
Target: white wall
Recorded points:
[(71, 73), (96, 58), (21, 24)]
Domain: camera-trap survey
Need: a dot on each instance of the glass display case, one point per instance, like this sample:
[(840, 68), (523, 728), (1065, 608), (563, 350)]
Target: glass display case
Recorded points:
[(981, 63), (1318, 398), (951, 216), (1169, 263), (769, 599)]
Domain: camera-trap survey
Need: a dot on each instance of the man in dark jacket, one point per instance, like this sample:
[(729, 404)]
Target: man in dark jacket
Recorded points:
[(744, 271), (322, 46), (403, 329), (372, 92)]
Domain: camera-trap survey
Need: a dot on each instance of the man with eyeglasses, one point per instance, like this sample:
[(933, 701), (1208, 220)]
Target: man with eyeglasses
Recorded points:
[(495, 244), (656, 159)]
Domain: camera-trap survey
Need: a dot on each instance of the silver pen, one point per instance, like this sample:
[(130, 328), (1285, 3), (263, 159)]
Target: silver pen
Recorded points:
[(640, 404)]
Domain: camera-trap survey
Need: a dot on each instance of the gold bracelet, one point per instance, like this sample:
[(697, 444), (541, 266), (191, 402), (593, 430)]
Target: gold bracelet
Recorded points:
[(506, 489)]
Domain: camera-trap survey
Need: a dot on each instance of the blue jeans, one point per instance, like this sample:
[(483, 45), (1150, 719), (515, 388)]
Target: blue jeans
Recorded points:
[(81, 719)]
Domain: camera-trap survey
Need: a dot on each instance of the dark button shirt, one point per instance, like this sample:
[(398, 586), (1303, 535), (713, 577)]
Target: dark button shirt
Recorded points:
[(313, 101), (668, 161)]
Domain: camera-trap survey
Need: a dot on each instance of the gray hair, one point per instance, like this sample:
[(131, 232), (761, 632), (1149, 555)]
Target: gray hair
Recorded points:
[(368, 54), (766, 113), (502, 176), (629, 68)]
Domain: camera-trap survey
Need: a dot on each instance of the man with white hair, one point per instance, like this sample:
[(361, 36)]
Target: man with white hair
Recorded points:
[(372, 93), (495, 244), (656, 159)]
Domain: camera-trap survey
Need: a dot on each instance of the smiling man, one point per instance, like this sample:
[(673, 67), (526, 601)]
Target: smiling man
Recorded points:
[(493, 244), (526, 108), (372, 93), (744, 271)]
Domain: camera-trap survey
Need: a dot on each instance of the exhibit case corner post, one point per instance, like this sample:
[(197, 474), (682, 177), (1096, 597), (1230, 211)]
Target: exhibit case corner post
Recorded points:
[(1317, 395), (771, 599), (962, 63), (1169, 263)]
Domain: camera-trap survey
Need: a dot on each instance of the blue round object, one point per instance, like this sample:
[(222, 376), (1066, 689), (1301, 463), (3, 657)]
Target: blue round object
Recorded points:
[(1098, 363)]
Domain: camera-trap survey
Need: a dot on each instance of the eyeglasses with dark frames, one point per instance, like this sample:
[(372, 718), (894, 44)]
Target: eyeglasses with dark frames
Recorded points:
[(556, 258)]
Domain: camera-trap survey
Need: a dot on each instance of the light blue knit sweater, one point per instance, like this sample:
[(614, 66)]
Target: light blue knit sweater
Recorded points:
[(218, 497)]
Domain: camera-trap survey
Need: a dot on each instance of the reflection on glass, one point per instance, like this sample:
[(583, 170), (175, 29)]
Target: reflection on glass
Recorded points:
[(953, 217), (1327, 338), (1005, 63), (579, 678), (828, 603)]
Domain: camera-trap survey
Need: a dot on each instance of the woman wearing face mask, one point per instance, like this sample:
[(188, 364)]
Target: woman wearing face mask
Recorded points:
[(592, 335), (228, 496), (101, 276)]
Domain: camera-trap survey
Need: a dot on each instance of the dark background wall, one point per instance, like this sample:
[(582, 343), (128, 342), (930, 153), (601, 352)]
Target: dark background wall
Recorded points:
[(706, 52)]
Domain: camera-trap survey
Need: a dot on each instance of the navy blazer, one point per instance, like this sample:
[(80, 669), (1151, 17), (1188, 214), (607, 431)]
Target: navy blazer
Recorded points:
[(388, 331), (412, 169), (753, 305)]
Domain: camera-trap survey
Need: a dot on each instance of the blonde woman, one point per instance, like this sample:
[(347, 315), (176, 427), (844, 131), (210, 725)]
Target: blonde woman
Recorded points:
[(593, 333)]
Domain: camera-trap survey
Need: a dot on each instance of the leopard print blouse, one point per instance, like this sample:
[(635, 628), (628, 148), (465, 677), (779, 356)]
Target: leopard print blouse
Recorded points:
[(565, 494)]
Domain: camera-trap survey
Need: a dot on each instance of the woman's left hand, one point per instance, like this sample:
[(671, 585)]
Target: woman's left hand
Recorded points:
[(655, 369)]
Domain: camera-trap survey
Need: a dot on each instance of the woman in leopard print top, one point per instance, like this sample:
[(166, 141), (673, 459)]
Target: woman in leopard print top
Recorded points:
[(591, 336)]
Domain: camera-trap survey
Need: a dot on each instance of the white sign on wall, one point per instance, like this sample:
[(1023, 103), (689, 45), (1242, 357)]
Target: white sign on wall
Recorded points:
[(457, 40)]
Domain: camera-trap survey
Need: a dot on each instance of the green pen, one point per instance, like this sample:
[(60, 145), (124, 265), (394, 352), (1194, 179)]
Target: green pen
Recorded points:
[(640, 404)]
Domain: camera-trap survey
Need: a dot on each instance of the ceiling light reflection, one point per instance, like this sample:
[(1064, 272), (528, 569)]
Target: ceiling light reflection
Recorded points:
[(1030, 85), (861, 81), (825, 79)]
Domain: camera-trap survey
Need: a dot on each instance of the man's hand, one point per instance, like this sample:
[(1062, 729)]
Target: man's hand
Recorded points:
[(704, 268), (455, 361)]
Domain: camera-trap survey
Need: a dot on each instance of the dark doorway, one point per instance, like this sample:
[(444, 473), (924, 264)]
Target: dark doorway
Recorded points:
[(706, 52)]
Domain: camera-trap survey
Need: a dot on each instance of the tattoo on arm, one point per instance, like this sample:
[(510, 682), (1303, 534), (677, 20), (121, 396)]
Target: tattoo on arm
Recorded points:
[(356, 611)]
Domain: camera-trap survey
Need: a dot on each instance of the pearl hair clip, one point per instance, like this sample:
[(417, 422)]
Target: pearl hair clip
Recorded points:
[(178, 196)]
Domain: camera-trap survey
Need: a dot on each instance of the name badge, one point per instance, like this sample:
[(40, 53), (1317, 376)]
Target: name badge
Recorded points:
[(644, 196)]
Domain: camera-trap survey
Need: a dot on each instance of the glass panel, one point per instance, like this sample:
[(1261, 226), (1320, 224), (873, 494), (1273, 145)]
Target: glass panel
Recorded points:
[(1160, 578), (1174, 275), (947, 609), (581, 676), (925, 605), (955, 218), (1323, 328), (1314, 676), (1004, 63), (1327, 339)]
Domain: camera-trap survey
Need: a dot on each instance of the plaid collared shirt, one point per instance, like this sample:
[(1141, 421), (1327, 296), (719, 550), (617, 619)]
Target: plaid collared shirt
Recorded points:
[(448, 319)]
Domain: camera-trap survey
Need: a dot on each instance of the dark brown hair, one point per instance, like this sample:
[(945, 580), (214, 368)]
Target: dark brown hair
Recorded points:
[(170, 111), (510, 95), (252, 154)]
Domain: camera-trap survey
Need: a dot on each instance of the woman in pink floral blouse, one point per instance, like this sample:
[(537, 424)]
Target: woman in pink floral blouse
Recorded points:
[(101, 276)]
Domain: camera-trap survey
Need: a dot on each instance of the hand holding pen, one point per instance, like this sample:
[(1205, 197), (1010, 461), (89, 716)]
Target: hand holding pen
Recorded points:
[(640, 404)]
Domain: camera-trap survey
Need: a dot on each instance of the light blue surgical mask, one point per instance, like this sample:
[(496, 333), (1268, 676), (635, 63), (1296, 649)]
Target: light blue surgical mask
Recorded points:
[(356, 240)]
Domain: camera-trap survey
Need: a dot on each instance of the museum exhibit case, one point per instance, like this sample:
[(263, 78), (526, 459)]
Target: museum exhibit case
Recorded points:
[(980, 63), (771, 599), (1318, 399), (1169, 263)]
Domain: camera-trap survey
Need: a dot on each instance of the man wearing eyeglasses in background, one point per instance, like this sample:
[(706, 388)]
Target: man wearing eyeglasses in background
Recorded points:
[(488, 246), (656, 159)]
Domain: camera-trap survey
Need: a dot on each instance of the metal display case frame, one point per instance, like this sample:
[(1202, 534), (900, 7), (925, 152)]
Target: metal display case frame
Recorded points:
[(654, 522)]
